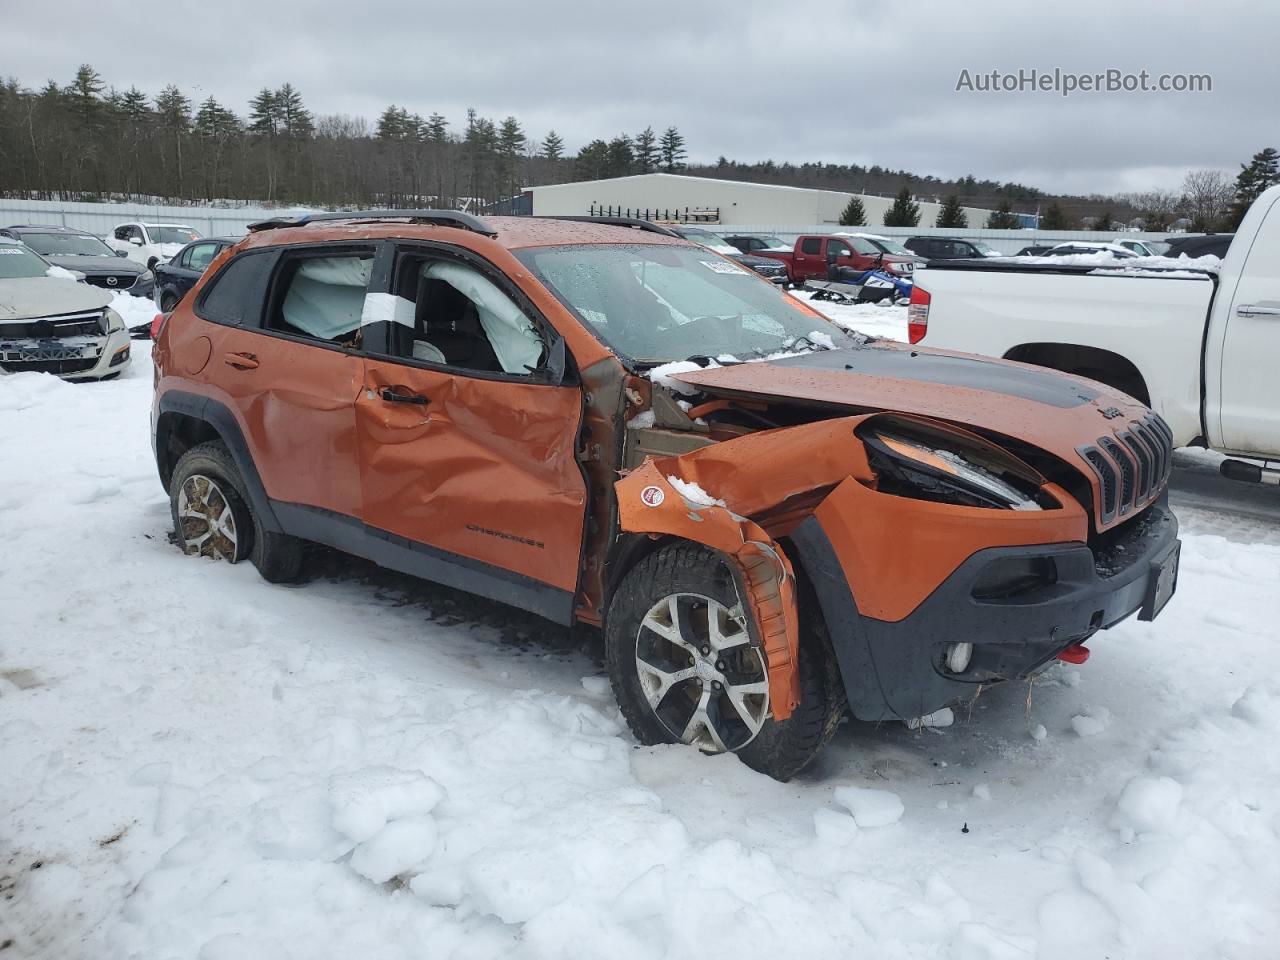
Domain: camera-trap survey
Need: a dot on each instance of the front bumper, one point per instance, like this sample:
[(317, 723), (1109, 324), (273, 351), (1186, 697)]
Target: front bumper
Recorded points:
[(71, 358), (897, 669)]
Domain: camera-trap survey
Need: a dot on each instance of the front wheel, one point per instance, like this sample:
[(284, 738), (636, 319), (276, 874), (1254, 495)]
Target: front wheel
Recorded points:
[(685, 668), (212, 516)]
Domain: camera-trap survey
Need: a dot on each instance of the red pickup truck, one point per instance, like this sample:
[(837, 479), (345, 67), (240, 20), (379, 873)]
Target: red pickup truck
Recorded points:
[(813, 252)]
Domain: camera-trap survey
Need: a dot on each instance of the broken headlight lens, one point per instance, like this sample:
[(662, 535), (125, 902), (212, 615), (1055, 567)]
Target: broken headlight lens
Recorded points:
[(916, 466)]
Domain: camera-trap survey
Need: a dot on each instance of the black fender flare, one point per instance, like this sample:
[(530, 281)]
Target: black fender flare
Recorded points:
[(218, 416)]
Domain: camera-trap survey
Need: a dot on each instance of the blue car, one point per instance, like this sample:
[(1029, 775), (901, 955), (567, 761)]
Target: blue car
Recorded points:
[(175, 278)]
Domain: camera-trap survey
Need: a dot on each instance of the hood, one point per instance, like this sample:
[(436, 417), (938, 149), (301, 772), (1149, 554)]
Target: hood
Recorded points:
[(31, 297), (752, 261), (1055, 412), (97, 265)]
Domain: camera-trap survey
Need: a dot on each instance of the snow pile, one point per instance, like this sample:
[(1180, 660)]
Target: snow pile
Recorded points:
[(693, 493), (60, 273), (1104, 258), (135, 311), (664, 375), (199, 764)]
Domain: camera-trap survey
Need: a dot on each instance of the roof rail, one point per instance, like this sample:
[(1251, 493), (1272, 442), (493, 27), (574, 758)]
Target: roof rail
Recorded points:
[(631, 222), (441, 218)]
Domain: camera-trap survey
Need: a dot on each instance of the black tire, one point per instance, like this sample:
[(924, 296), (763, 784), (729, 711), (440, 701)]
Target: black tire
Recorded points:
[(779, 750), (277, 556)]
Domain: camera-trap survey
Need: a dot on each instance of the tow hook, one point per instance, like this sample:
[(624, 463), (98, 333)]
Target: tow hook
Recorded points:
[(1076, 653)]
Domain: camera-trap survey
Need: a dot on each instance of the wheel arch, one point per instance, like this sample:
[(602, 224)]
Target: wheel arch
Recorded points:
[(184, 420), (1105, 366)]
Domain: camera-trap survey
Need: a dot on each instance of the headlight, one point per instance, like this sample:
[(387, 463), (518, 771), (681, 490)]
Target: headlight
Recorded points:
[(900, 267), (146, 277), (114, 321), (927, 465)]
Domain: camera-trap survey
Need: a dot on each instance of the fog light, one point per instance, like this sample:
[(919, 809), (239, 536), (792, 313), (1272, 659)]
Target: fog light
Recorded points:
[(958, 657), (119, 357)]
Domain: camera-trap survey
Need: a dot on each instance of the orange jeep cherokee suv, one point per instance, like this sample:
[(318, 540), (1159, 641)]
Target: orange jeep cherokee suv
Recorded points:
[(597, 421)]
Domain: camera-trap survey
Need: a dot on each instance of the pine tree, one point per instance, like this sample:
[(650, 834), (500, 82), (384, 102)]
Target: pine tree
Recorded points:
[(437, 128), (646, 150), (904, 212), (853, 214), (511, 141), (1261, 172), (392, 123), (552, 147), (621, 157), (85, 92), (1003, 218), (173, 117), (1054, 218), (295, 119), (592, 161), (952, 215), (263, 114), (671, 150)]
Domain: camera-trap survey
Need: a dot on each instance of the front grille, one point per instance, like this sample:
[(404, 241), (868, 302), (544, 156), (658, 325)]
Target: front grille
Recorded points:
[(1131, 466), (87, 324), (51, 366), (122, 281)]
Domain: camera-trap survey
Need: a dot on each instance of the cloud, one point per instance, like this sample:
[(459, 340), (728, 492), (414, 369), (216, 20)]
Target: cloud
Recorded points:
[(872, 84)]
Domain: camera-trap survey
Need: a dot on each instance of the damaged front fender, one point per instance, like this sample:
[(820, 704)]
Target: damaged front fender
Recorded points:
[(760, 475)]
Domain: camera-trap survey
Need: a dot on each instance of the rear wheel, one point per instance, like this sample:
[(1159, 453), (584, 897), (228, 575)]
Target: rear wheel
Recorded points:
[(685, 668), (212, 516)]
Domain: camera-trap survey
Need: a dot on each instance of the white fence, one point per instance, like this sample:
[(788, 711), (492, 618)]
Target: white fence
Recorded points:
[(100, 218)]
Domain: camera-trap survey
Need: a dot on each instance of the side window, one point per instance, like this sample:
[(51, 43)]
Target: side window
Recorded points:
[(838, 248), (236, 294), (811, 245), (448, 312), (136, 232), (122, 233), (320, 295), (200, 256)]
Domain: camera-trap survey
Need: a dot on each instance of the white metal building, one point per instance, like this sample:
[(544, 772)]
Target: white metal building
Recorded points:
[(725, 202)]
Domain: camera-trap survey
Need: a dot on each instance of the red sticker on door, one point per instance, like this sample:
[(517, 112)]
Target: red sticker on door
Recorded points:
[(652, 496)]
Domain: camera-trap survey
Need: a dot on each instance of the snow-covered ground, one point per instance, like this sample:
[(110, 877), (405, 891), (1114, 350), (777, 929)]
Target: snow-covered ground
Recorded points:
[(876, 319), (196, 764)]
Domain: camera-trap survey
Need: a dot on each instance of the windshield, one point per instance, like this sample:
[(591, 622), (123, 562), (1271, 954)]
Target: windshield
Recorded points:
[(1158, 248), (775, 243), (983, 249), (172, 234), (67, 245), (893, 246), (657, 303), (17, 261), (711, 241)]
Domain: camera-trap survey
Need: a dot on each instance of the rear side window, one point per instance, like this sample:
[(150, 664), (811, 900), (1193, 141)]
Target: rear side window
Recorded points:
[(811, 245), (235, 295), (200, 255), (320, 295)]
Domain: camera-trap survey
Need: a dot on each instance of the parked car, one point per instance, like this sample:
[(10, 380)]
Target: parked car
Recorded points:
[(1035, 250), (888, 245), (1085, 247), (1199, 348), (51, 324), (1143, 248), (85, 254), (1207, 245), (949, 248), (755, 242), (767, 268), (814, 255), (525, 408), (151, 243), (175, 278)]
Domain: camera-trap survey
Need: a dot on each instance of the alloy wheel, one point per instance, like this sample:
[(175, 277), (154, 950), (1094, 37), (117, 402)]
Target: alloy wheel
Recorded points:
[(206, 521), (702, 677)]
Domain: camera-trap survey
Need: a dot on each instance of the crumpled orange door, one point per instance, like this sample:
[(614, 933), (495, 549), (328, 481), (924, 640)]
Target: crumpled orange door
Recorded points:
[(484, 469)]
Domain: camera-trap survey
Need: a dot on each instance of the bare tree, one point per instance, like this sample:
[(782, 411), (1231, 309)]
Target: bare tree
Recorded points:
[(1157, 208), (1206, 196)]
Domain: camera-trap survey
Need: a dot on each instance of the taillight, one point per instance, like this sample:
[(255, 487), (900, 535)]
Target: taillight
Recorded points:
[(161, 318), (918, 314)]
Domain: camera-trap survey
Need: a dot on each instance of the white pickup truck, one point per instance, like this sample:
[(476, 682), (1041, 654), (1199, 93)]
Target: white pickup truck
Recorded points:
[(1201, 347)]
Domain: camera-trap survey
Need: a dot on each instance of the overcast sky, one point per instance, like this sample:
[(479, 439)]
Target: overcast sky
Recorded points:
[(836, 81)]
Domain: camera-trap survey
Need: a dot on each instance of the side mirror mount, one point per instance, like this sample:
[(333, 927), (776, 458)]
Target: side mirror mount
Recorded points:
[(122, 253), (556, 360)]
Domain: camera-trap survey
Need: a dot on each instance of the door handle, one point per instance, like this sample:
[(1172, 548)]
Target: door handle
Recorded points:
[(391, 396), (241, 361), (1257, 310)]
